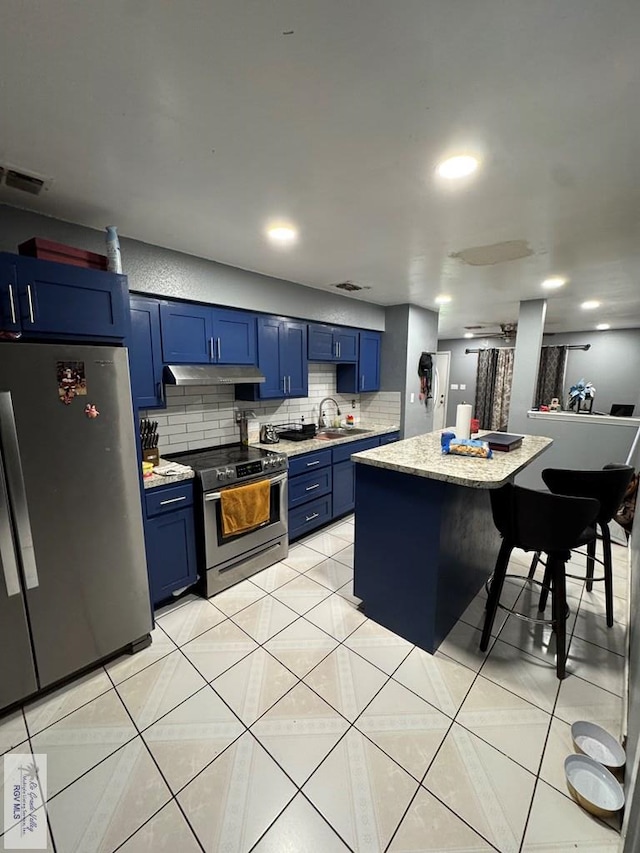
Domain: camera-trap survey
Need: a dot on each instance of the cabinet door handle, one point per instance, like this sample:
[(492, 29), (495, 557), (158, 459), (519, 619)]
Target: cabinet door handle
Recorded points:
[(173, 500), (30, 299), (212, 352), (161, 392), (310, 464), (284, 384), (12, 305), (219, 350), (288, 384), (339, 350), (363, 381), (311, 488), (311, 517)]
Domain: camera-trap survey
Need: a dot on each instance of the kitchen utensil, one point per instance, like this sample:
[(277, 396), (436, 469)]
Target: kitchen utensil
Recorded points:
[(593, 786), (268, 434)]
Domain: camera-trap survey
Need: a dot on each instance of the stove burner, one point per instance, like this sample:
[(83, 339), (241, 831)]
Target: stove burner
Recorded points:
[(231, 463)]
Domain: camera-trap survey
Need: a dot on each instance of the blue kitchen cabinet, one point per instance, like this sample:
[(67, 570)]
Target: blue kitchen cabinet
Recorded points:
[(333, 343), (9, 306), (145, 353), (365, 374), (170, 539), (389, 438), (344, 475), (282, 357), (187, 333), (62, 300), (200, 334), (234, 334)]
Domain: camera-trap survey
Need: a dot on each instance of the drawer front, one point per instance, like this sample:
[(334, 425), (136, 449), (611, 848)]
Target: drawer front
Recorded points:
[(309, 462), (304, 519), (168, 498), (307, 487), (344, 451), (389, 438)]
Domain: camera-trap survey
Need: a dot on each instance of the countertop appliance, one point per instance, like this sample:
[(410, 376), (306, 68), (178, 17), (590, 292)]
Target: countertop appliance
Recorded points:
[(73, 579), (226, 560), (268, 434)]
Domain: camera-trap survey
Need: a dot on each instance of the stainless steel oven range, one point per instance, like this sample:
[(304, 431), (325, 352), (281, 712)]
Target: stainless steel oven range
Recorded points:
[(229, 559)]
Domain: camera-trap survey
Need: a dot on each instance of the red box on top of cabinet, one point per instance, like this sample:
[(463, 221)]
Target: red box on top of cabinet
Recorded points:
[(47, 250)]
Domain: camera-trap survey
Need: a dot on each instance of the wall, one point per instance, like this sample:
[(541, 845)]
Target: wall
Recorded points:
[(409, 331), (612, 365), (152, 269), (198, 417)]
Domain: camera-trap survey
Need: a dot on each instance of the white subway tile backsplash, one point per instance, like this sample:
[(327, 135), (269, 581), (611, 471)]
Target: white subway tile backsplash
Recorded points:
[(204, 416)]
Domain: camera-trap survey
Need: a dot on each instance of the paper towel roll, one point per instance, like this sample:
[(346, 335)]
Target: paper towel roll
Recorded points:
[(463, 421)]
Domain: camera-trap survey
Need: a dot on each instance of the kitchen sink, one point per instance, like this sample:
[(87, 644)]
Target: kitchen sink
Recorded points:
[(340, 432)]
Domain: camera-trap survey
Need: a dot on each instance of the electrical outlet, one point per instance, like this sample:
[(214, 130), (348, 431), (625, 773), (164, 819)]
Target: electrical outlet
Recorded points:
[(463, 387), (413, 398), (454, 387)]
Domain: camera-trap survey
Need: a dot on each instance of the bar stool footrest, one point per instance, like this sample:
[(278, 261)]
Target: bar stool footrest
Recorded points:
[(517, 613)]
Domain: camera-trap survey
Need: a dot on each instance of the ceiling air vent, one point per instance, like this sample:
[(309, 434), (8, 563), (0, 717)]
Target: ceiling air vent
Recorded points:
[(19, 180), (350, 287)]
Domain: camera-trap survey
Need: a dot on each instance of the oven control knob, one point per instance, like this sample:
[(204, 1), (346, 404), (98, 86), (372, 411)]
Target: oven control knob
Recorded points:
[(220, 475), (229, 473)]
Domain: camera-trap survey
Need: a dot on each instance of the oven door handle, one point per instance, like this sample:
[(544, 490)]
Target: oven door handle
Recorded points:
[(215, 496)]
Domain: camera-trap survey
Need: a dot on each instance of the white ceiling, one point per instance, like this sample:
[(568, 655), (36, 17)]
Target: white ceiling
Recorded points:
[(192, 125)]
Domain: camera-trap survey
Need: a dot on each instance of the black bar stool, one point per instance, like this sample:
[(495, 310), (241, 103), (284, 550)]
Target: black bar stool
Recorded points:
[(607, 487), (538, 521)]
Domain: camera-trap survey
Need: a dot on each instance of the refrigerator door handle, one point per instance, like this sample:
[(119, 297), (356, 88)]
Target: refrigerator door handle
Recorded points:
[(7, 548), (17, 491)]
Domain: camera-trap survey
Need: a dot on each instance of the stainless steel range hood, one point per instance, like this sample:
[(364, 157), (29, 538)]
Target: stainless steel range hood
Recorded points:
[(211, 374)]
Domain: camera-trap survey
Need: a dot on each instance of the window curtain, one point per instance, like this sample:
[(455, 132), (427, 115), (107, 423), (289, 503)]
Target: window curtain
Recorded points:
[(493, 388), (553, 365)]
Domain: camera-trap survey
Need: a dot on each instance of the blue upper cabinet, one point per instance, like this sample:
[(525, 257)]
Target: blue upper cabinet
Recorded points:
[(200, 334), (369, 365), (332, 343), (145, 353), (49, 299), (282, 357), (187, 333), (365, 374), (9, 304), (234, 334), (294, 358)]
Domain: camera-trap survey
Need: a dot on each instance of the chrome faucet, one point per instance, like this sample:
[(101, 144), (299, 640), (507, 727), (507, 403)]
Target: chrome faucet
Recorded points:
[(321, 422)]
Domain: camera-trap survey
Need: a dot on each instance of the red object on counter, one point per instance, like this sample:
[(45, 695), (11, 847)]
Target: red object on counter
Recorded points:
[(47, 250), (544, 409), (475, 426)]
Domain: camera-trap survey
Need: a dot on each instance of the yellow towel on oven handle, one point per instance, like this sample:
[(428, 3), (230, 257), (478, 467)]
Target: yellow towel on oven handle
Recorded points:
[(245, 507)]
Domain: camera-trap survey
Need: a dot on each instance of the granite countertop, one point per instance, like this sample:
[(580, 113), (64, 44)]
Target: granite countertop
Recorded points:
[(155, 480), (422, 457), (296, 448)]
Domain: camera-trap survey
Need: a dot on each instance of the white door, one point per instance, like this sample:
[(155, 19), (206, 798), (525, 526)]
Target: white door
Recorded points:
[(441, 389)]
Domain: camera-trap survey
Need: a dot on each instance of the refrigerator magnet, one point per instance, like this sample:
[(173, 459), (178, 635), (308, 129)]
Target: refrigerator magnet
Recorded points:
[(71, 380), (91, 411)]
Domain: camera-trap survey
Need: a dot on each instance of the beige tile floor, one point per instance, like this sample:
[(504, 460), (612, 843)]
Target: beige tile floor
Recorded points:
[(277, 718)]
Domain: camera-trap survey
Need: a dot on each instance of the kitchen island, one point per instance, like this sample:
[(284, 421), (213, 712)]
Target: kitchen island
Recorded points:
[(425, 541)]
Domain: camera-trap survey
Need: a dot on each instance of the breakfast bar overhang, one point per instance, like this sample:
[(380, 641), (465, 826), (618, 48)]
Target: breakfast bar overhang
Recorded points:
[(425, 541)]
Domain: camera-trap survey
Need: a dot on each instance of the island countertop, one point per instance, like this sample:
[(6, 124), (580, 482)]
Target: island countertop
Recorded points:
[(422, 456)]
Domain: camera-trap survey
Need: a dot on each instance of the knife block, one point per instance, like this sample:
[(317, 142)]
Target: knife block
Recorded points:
[(151, 455)]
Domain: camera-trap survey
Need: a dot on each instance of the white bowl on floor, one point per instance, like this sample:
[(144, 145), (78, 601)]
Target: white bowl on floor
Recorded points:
[(596, 742), (592, 786)]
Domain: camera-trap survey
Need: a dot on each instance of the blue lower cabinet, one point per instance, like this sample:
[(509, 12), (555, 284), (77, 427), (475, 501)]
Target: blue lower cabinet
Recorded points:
[(389, 438), (305, 518), (170, 539), (344, 487), (307, 487)]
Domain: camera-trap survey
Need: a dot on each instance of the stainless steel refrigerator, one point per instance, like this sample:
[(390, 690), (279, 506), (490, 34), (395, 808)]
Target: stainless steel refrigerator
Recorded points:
[(73, 577)]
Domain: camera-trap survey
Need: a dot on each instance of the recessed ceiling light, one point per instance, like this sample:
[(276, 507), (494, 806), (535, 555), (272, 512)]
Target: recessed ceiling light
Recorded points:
[(590, 304), (468, 334), (554, 282), (282, 235), (458, 167), (602, 327), (442, 299)]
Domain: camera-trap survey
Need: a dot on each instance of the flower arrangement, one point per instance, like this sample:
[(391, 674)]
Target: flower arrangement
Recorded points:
[(579, 393)]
